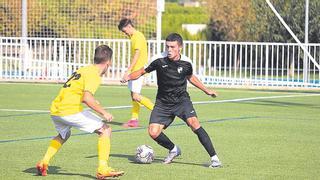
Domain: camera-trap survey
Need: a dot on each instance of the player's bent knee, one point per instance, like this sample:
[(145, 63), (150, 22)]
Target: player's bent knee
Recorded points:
[(194, 123), (154, 132), (61, 139), (104, 130), (67, 136), (136, 97), (107, 129)]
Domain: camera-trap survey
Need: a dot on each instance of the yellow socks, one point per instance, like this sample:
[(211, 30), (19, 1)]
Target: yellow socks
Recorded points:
[(52, 150), (135, 110), (136, 106), (147, 103), (103, 151)]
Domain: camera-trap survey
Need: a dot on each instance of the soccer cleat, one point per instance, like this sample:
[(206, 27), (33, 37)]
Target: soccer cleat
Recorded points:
[(108, 172), (172, 155), (215, 164), (42, 169), (131, 123)]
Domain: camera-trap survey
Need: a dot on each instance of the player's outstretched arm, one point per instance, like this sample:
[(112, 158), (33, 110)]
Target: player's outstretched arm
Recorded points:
[(197, 83), (134, 75), (90, 101)]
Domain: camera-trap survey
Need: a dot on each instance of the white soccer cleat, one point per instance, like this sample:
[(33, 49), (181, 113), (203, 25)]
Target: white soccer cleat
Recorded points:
[(172, 155), (215, 164)]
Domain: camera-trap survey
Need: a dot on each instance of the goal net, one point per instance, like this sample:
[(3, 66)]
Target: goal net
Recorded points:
[(77, 18)]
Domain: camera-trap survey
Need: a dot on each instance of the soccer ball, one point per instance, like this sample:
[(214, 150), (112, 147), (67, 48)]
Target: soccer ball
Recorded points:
[(144, 154)]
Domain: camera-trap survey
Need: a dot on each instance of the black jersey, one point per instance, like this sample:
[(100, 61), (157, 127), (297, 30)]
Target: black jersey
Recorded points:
[(171, 78)]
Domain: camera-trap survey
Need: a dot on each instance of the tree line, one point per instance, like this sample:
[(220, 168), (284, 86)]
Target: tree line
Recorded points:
[(253, 20)]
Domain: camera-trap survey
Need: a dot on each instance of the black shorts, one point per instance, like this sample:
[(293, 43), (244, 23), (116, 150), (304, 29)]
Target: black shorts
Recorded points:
[(165, 113)]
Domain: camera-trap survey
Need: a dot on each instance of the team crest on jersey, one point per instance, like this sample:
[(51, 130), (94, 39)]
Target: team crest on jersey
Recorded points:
[(179, 69)]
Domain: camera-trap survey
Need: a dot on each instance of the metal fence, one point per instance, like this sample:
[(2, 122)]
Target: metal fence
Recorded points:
[(231, 64)]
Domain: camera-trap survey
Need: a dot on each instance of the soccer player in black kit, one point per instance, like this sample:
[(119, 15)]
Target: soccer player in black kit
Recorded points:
[(173, 71)]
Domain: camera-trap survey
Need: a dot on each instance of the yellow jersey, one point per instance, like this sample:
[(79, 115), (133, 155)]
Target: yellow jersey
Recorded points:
[(138, 42), (69, 99)]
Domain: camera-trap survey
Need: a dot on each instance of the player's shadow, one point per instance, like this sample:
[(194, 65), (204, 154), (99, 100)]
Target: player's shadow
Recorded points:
[(177, 161), (131, 158), (56, 170), (115, 123)]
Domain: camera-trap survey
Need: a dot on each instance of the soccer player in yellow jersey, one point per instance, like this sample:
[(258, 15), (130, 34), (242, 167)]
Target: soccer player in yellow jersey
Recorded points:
[(67, 111), (139, 58)]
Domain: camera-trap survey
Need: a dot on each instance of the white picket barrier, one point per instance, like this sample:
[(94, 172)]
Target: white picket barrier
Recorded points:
[(230, 64)]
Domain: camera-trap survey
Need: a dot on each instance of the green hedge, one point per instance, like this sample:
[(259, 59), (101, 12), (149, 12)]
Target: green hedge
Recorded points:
[(176, 15)]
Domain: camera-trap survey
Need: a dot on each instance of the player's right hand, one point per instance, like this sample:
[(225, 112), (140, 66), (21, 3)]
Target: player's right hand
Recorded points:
[(108, 117)]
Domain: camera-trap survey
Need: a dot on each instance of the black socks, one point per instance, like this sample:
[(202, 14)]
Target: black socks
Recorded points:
[(205, 141), (203, 137), (164, 141)]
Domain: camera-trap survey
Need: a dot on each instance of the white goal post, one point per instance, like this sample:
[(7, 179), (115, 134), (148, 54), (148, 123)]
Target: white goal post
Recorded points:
[(292, 34)]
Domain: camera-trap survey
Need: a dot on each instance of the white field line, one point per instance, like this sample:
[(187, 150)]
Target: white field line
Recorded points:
[(255, 98), (46, 111), (198, 102)]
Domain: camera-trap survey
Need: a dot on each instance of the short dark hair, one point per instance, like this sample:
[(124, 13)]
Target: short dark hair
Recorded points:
[(175, 37), (102, 54), (124, 22)]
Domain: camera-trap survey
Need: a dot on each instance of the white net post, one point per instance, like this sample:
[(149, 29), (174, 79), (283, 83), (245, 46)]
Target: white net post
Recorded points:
[(160, 10), (303, 47), (306, 41), (24, 34)]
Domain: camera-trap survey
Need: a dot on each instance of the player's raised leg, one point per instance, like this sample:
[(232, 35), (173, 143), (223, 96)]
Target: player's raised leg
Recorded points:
[(146, 102), (137, 99)]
